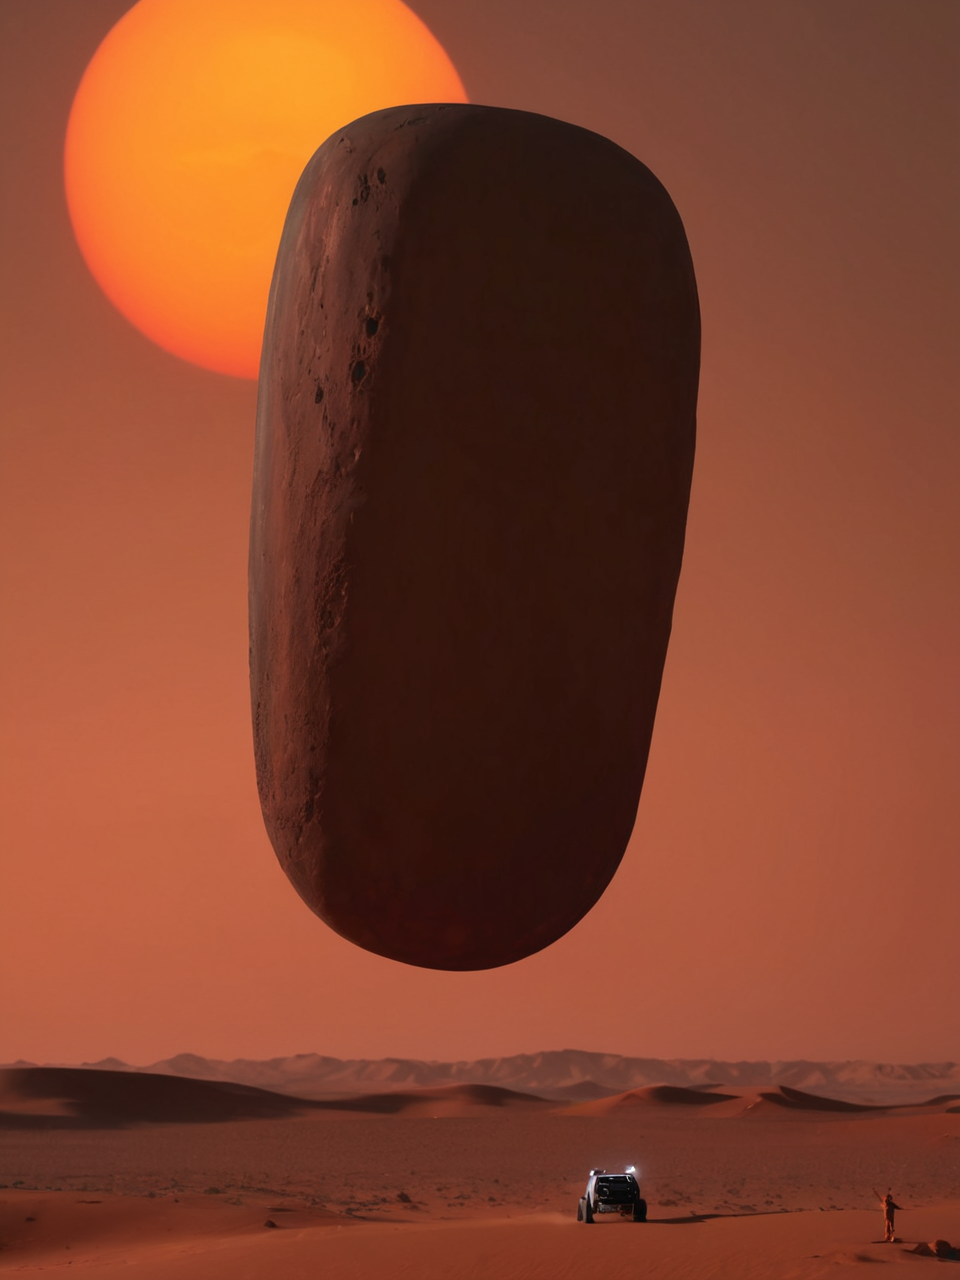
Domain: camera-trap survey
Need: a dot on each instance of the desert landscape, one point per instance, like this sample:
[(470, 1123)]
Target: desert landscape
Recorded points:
[(369, 782), (142, 1173)]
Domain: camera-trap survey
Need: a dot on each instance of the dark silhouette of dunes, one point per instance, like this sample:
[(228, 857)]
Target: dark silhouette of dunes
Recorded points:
[(653, 1095), (564, 1073), (75, 1098), (92, 1098), (798, 1101), (677, 1095), (582, 1091), (455, 1095), (741, 1103)]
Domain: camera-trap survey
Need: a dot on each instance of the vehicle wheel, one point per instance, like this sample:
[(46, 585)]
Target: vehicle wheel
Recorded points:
[(580, 1209), (587, 1211), (640, 1211)]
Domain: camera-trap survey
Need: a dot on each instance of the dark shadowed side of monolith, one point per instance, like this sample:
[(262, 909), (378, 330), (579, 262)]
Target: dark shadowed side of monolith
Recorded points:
[(474, 447)]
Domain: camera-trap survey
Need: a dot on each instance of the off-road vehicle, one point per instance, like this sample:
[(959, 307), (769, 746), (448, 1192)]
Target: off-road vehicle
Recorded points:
[(612, 1193)]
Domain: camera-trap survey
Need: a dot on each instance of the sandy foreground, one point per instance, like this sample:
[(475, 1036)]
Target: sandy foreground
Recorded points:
[(188, 1240), (445, 1187)]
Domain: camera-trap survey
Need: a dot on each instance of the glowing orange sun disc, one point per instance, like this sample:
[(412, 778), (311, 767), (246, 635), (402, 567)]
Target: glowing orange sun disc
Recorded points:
[(188, 133)]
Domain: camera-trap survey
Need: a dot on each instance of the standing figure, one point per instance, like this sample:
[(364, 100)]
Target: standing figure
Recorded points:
[(889, 1205)]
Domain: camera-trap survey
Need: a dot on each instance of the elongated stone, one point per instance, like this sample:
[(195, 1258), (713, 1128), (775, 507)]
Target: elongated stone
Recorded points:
[(474, 446)]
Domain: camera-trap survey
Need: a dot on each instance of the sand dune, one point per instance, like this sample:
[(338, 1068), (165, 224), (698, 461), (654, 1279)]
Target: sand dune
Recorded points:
[(463, 1183), (560, 1074), (795, 1099), (786, 1099), (652, 1096), (77, 1098), (65, 1097), (583, 1090), (450, 1100), (741, 1102)]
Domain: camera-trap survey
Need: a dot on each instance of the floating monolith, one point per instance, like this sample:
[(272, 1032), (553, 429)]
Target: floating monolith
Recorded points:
[(475, 438)]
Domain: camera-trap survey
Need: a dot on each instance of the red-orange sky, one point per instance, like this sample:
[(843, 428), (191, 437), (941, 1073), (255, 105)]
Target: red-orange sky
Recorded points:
[(793, 882)]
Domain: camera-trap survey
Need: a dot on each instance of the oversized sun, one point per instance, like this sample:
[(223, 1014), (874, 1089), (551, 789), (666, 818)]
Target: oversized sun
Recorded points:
[(188, 133)]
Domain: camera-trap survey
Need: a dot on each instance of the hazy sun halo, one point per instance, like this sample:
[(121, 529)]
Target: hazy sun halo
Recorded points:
[(188, 133)]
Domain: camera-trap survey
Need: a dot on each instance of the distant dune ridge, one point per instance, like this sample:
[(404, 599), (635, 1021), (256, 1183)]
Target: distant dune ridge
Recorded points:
[(167, 1175), (188, 1088), (78, 1098), (94, 1098), (748, 1101), (560, 1073), (97, 1098)]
